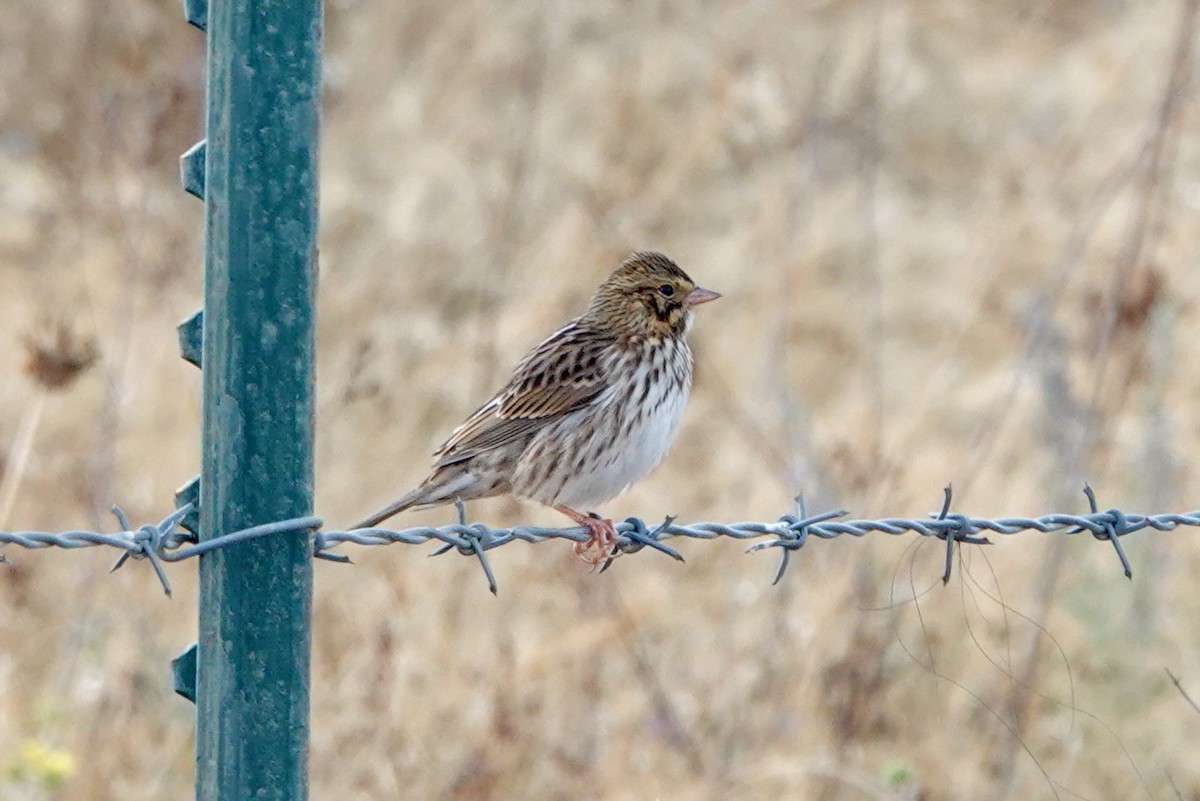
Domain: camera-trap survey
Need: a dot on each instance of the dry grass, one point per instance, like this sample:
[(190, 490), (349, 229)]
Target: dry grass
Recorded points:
[(957, 242)]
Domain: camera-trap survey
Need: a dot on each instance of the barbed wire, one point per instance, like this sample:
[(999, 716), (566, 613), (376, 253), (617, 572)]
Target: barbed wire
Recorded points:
[(166, 541)]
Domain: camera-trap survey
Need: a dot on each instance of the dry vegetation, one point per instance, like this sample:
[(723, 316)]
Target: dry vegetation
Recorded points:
[(957, 242)]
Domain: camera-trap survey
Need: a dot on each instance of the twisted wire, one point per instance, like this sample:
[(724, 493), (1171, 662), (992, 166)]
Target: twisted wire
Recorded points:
[(165, 541)]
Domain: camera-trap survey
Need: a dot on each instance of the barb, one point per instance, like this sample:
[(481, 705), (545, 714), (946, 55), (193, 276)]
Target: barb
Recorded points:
[(165, 541), (161, 542)]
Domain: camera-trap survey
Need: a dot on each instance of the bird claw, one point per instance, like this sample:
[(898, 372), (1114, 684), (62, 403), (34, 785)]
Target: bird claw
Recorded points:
[(601, 544)]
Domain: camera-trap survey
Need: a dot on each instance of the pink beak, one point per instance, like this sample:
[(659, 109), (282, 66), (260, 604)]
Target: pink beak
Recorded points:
[(700, 295)]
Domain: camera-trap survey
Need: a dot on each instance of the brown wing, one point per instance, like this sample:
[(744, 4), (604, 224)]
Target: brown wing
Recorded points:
[(560, 375)]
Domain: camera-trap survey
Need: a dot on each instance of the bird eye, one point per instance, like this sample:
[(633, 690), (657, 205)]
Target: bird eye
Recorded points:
[(667, 290)]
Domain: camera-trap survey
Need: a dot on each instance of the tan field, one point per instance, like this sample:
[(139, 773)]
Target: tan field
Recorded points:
[(957, 243)]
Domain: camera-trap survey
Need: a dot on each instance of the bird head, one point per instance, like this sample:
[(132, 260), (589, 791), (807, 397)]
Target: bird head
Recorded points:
[(647, 295)]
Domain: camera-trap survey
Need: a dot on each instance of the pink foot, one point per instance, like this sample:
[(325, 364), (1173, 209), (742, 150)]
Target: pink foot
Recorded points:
[(602, 541)]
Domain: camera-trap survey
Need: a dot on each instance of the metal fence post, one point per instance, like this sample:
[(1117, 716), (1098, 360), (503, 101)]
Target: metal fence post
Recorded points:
[(257, 172)]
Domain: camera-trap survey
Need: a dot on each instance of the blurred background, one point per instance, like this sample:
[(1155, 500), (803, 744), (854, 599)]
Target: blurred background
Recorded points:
[(957, 243)]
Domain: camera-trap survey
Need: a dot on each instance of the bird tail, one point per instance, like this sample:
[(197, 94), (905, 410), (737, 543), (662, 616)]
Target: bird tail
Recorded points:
[(391, 510), (444, 486)]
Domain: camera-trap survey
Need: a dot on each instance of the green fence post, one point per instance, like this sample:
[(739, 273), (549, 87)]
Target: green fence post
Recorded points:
[(257, 172)]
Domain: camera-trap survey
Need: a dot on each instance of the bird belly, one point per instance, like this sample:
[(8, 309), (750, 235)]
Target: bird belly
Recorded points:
[(603, 449)]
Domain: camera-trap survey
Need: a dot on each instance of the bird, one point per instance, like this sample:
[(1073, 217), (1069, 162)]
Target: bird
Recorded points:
[(586, 413)]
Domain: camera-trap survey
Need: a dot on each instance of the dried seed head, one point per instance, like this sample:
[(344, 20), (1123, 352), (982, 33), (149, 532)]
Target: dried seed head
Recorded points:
[(56, 357)]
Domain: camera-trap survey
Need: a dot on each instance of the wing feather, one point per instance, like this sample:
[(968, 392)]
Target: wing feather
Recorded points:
[(562, 374)]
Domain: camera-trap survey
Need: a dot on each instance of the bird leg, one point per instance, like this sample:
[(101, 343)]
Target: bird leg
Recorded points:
[(602, 542)]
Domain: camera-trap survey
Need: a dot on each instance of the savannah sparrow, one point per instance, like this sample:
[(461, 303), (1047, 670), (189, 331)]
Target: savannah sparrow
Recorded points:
[(586, 413)]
